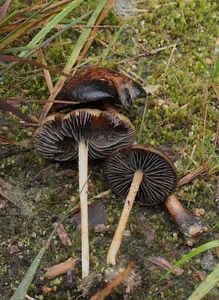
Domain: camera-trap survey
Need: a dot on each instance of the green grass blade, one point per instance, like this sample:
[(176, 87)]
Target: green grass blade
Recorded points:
[(216, 67), (22, 289), (8, 18), (18, 30), (191, 254), (109, 47), (33, 48), (84, 36), (142, 123), (74, 56), (45, 30), (206, 285)]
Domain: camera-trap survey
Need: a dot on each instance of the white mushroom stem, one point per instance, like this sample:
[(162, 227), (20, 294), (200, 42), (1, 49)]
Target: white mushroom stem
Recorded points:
[(117, 239), (83, 188)]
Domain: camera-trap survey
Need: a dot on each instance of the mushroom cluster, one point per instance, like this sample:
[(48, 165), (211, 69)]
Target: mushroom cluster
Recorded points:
[(132, 171)]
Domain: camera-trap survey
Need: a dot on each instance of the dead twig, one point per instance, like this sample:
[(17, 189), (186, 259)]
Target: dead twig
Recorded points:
[(46, 72), (61, 268), (193, 174), (20, 100), (17, 112), (112, 285)]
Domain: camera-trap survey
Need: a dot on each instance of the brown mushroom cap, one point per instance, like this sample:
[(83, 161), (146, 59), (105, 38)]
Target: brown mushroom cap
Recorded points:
[(159, 179), (104, 132), (96, 83)]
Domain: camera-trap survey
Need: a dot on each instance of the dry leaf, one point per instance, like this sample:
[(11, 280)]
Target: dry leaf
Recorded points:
[(62, 233), (164, 264)]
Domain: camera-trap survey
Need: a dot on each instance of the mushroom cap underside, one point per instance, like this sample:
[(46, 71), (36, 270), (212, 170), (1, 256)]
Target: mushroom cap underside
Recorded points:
[(103, 132), (159, 179)]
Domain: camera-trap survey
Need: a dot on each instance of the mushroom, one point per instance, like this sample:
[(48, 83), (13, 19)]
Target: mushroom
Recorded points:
[(189, 226), (99, 84), (81, 133), (141, 172)]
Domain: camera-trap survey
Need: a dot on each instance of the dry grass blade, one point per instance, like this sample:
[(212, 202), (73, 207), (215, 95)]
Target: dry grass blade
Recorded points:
[(61, 268), (38, 101), (193, 174), (95, 29), (51, 24), (42, 6), (73, 57), (23, 28), (46, 72), (11, 58), (112, 285), (4, 8), (4, 141), (16, 111)]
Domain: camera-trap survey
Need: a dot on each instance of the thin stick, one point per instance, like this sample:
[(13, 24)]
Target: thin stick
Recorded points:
[(46, 72), (83, 188), (117, 239)]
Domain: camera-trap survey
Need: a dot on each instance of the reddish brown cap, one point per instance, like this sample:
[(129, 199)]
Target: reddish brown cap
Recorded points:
[(95, 83)]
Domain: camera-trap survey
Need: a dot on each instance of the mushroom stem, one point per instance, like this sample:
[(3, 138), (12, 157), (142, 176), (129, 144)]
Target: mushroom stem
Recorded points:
[(83, 188), (117, 239), (188, 224)]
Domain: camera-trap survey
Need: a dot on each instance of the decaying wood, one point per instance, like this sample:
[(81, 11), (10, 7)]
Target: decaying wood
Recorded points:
[(164, 264), (61, 268), (112, 285)]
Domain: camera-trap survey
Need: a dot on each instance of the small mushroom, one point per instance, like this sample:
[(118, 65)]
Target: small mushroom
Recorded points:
[(141, 172), (99, 84), (188, 225), (81, 133)]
